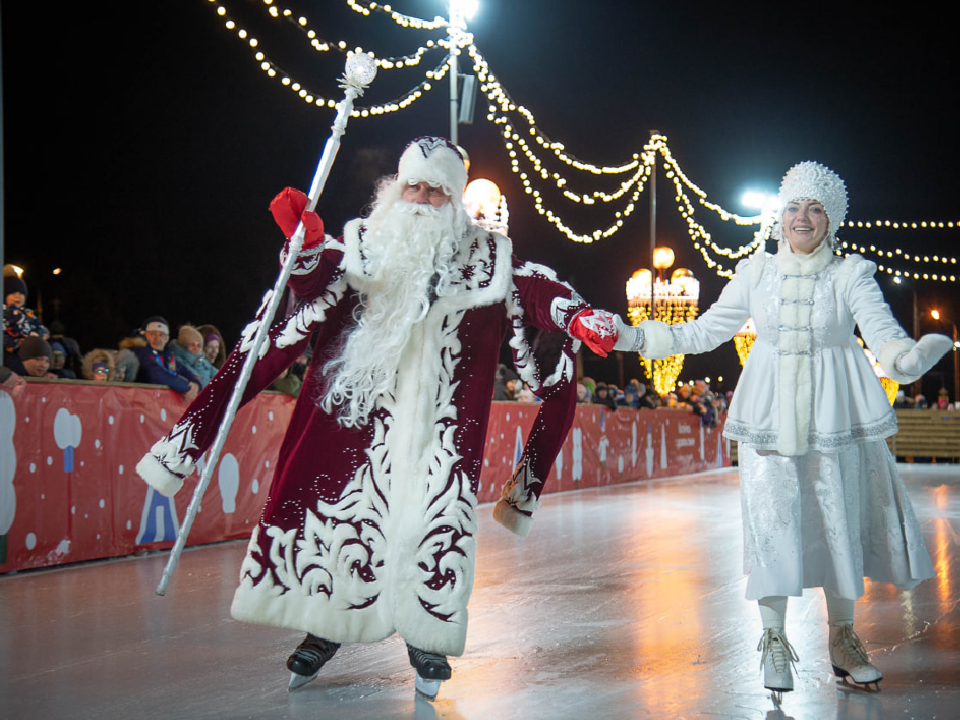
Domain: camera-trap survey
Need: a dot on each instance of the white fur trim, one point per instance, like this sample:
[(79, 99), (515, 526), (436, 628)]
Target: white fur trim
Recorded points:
[(795, 344), (888, 354), (512, 519), (488, 254), (157, 476), (526, 365), (657, 339), (791, 263)]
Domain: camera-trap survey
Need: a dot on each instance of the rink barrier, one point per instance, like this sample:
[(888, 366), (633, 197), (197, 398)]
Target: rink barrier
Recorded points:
[(69, 492), (926, 434)]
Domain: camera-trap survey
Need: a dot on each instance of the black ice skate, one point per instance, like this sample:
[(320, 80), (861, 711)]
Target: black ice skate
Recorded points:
[(306, 661), (432, 669)]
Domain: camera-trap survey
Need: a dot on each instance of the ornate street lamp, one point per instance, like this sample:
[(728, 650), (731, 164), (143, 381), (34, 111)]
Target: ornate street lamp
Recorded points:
[(484, 202), (744, 340), (670, 302), (890, 386)]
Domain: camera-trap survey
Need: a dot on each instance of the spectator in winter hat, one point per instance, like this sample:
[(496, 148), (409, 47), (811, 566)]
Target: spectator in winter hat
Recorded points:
[(58, 359), (98, 364), (14, 291), (18, 321), (604, 397), (125, 365), (188, 349), (214, 348), (34, 354), (74, 357)]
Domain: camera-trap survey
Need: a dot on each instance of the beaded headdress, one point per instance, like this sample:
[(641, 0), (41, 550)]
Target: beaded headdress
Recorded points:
[(813, 181)]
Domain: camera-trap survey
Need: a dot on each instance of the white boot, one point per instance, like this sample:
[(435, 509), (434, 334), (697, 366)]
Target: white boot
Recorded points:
[(849, 657), (776, 658)]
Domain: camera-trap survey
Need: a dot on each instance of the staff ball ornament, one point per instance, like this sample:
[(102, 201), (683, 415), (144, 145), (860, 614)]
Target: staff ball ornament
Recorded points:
[(359, 71)]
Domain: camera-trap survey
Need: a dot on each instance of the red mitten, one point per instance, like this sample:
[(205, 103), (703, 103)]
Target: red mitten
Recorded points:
[(596, 328), (288, 212)]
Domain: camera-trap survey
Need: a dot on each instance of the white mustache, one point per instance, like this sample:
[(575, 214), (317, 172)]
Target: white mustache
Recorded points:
[(421, 209)]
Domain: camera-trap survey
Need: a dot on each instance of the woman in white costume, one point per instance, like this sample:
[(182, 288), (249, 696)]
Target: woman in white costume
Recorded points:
[(823, 505)]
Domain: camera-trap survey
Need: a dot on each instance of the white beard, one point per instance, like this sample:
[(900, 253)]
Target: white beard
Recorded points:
[(404, 247)]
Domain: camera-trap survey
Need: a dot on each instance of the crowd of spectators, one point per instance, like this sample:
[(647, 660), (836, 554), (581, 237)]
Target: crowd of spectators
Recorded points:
[(695, 396), (148, 355), (920, 402), (187, 363)]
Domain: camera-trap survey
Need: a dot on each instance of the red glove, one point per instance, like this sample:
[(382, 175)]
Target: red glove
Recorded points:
[(596, 328), (288, 212)]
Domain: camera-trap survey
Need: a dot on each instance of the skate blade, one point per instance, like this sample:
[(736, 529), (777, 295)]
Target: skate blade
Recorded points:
[(427, 688), (848, 683), (299, 680)]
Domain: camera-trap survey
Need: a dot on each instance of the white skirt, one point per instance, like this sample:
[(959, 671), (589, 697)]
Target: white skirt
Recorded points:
[(828, 520)]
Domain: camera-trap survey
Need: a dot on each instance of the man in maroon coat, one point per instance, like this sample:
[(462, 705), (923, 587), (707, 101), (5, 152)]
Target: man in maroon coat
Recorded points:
[(370, 523)]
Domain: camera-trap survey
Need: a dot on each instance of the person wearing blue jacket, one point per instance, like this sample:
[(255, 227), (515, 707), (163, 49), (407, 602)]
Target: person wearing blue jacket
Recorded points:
[(188, 350), (158, 365)]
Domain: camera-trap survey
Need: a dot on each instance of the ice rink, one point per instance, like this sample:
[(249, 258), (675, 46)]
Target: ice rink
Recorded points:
[(624, 602)]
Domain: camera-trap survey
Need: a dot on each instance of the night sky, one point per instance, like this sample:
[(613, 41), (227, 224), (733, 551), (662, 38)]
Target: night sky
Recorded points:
[(143, 144)]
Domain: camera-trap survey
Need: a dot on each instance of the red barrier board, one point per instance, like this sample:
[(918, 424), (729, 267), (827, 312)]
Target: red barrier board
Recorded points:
[(69, 492)]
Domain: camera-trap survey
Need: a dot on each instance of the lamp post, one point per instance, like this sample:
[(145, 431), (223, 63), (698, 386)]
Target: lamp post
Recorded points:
[(935, 314), (459, 11), (653, 216)]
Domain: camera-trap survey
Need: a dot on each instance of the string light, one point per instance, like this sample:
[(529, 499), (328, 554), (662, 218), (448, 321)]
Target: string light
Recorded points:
[(407, 21), (529, 150), (312, 97)]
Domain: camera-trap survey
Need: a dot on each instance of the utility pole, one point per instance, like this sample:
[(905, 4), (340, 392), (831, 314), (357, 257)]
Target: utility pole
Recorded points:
[(456, 25), (653, 230)]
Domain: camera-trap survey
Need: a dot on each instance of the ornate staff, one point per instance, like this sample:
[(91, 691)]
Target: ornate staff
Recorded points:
[(359, 72)]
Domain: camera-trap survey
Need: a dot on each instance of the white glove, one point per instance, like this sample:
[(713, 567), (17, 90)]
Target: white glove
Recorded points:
[(924, 355), (629, 338)]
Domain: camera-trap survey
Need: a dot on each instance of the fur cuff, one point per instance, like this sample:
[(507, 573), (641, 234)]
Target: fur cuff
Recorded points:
[(889, 352), (158, 477), (657, 339), (517, 522)]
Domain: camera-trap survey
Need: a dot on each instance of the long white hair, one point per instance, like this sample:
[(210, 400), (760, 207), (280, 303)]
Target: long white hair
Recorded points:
[(407, 251)]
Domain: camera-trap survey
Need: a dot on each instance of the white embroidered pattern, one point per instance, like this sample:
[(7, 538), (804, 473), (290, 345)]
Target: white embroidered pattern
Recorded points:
[(405, 520)]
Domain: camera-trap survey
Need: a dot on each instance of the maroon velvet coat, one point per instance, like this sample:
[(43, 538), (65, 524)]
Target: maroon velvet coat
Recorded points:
[(369, 531)]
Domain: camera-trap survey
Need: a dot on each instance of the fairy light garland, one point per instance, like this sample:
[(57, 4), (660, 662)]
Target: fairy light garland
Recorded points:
[(530, 146), (406, 21), (273, 70)]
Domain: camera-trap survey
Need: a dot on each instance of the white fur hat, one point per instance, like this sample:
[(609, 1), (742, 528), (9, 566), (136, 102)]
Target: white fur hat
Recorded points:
[(814, 181), (436, 161)]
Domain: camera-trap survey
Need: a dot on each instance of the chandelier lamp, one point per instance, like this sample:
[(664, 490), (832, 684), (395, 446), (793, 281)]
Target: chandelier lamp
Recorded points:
[(670, 301)]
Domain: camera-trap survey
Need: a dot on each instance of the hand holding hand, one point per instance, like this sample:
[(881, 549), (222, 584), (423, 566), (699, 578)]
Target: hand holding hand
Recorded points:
[(288, 212), (596, 328)]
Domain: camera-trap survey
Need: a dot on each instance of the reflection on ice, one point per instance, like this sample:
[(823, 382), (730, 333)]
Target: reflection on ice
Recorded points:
[(623, 602)]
